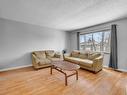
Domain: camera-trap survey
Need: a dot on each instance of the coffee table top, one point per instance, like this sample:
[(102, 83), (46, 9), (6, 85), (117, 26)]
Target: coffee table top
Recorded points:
[(64, 65)]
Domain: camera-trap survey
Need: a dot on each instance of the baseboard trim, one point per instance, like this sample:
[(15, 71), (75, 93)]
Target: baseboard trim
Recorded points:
[(13, 68), (122, 70), (18, 67), (119, 70)]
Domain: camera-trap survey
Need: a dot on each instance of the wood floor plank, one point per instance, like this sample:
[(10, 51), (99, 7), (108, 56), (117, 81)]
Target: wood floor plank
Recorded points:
[(28, 81)]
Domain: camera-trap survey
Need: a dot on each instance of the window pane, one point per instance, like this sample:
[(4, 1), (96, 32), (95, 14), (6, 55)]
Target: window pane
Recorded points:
[(88, 41), (99, 41), (82, 42)]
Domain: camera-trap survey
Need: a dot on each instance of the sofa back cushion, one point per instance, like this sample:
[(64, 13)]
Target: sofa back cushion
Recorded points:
[(75, 53), (94, 55), (39, 54), (50, 53), (83, 55)]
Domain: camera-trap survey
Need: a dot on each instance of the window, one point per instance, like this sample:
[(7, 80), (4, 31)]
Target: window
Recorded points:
[(98, 41)]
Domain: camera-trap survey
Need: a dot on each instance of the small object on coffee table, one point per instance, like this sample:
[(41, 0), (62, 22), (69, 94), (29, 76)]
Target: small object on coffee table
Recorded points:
[(63, 66)]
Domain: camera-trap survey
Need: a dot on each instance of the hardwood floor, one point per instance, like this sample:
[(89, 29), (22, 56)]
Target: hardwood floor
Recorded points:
[(30, 82)]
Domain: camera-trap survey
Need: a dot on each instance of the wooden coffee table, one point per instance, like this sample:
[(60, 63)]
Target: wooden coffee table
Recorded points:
[(63, 66)]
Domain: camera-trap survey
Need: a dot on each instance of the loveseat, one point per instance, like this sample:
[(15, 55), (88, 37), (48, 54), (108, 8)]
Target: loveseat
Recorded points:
[(92, 61), (41, 59)]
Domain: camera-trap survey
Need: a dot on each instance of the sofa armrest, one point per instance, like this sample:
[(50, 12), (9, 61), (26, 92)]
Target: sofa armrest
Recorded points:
[(98, 63), (57, 55), (67, 55), (35, 60)]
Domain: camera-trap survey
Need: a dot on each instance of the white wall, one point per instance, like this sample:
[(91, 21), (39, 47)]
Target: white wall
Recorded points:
[(122, 40), (18, 40)]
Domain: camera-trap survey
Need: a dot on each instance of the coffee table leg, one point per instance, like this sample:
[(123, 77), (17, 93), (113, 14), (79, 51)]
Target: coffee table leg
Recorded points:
[(66, 80), (51, 70), (76, 75)]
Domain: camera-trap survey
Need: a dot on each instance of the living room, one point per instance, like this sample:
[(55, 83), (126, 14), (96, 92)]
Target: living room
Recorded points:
[(63, 27)]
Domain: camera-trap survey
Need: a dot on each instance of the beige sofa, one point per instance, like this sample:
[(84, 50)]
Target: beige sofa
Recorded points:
[(91, 61), (41, 59)]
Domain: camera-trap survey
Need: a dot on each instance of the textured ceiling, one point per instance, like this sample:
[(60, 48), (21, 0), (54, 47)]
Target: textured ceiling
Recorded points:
[(63, 14)]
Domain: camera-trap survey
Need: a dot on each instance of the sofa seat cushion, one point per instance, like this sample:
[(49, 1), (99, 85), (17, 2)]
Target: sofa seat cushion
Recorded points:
[(44, 61), (86, 62), (72, 59)]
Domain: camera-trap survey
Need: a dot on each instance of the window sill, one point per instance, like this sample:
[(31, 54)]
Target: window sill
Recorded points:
[(106, 52), (102, 52)]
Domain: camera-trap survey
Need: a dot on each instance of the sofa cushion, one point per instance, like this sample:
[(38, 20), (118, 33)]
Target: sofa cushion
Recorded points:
[(86, 62), (75, 53), (83, 55), (72, 59), (40, 54), (94, 55), (57, 55), (50, 53), (44, 61)]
